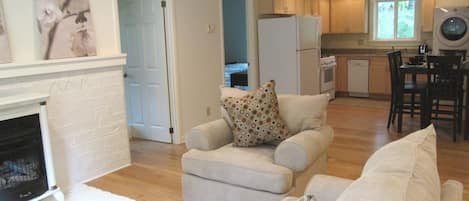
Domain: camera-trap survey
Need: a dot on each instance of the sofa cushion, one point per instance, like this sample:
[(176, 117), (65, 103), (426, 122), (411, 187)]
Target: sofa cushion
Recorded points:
[(256, 117), (252, 167), (298, 112), (403, 170)]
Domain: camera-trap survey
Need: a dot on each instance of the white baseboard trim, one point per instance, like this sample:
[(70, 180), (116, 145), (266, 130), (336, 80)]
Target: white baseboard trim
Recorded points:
[(104, 174)]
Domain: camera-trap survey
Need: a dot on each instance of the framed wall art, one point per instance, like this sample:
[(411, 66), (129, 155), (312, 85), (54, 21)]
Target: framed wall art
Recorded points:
[(5, 52), (66, 28)]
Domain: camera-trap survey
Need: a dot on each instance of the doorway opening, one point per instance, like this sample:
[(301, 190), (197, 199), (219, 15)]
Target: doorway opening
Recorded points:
[(236, 48), (147, 87)]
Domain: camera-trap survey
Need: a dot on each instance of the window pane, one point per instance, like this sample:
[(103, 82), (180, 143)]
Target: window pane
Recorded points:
[(385, 20), (406, 19)]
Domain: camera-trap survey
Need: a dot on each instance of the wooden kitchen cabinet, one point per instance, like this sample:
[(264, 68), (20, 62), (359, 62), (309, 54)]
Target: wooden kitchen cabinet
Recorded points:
[(428, 7), (265, 7), (300, 8), (341, 78), (268, 7), (322, 8), (379, 77), (308, 7), (348, 16), (285, 7)]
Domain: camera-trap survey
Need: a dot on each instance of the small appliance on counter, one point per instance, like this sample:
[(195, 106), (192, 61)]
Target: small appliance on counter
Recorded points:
[(423, 49), (450, 29)]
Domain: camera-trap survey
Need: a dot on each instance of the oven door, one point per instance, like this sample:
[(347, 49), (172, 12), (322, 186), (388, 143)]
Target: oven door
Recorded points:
[(327, 78)]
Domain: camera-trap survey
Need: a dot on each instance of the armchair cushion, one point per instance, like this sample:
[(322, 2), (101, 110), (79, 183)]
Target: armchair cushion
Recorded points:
[(209, 136), (251, 168), (302, 149), (303, 112), (298, 112)]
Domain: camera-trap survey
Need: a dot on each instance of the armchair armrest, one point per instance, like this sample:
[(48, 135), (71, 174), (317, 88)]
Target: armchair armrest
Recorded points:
[(209, 136), (326, 188), (302, 149), (452, 191)]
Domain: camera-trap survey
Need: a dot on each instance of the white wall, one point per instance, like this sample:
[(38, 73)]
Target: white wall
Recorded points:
[(87, 117), (252, 11), (198, 61)]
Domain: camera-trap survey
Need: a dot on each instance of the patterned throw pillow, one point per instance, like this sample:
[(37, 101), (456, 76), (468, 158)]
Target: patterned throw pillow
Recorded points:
[(256, 117)]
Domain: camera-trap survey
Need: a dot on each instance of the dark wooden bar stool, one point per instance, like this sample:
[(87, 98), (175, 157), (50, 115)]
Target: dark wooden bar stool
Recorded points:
[(461, 53), (446, 83), (400, 89)]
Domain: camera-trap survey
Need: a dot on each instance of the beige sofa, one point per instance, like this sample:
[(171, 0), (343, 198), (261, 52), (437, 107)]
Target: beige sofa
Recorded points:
[(403, 170), (329, 188), (214, 170)]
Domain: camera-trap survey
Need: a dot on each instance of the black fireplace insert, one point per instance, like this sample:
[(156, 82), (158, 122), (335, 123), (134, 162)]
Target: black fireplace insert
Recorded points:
[(23, 173)]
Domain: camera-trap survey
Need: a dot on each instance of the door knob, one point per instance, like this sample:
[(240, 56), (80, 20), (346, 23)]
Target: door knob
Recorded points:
[(125, 75)]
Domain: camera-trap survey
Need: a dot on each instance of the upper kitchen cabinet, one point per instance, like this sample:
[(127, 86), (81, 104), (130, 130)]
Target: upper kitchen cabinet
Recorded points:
[(285, 7), (322, 8), (428, 7), (265, 7), (349, 16)]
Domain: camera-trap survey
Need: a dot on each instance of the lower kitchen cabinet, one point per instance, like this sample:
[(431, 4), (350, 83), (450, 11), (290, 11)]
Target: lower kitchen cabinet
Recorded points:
[(341, 78), (379, 77)]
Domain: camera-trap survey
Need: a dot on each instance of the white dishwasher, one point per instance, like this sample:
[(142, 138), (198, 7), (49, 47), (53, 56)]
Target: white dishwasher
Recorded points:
[(358, 78)]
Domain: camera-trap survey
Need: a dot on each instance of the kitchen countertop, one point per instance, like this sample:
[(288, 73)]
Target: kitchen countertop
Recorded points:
[(366, 52)]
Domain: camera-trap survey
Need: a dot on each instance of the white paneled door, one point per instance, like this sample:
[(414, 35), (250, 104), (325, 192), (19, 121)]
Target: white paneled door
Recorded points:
[(146, 76)]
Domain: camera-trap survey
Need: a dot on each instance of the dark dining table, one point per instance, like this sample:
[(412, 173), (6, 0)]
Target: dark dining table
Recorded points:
[(413, 70)]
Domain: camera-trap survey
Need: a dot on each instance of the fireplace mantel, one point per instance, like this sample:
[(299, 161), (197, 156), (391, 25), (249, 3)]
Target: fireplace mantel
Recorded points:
[(22, 99), (16, 70)]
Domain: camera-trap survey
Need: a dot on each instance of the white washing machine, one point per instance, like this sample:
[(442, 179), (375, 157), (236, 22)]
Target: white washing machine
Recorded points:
[(450, 29)]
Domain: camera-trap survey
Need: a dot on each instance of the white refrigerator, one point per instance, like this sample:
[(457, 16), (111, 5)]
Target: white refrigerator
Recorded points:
[(290, 52)]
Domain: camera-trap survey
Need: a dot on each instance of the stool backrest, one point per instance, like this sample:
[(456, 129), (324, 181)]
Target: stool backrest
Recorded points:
[(395, 61), (445, 75), (461, 53)]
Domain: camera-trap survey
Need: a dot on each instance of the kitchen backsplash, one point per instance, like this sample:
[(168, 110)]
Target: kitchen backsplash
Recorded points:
[(362, 41)]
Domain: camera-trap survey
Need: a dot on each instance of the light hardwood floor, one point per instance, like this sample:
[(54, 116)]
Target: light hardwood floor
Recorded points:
[(359, 131)]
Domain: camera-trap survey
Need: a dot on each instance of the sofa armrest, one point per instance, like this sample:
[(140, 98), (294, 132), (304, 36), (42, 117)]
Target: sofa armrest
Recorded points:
[(302, 149), (326, 188), (209, 136), (452, 191)]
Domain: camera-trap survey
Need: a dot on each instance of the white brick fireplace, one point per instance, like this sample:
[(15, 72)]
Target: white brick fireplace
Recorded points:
[(26, 161), (86, 109)]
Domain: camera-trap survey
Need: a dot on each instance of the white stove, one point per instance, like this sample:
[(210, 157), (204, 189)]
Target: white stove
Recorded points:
[(328, 67)]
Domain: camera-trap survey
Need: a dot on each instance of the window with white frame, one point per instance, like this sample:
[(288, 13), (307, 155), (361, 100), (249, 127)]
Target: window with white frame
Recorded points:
[(395, 20)]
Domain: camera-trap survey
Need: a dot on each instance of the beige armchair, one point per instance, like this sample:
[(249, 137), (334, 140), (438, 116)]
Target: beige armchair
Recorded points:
[(214, 170)]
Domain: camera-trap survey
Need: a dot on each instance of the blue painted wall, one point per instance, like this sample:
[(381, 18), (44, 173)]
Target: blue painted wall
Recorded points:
[(235, 28)]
